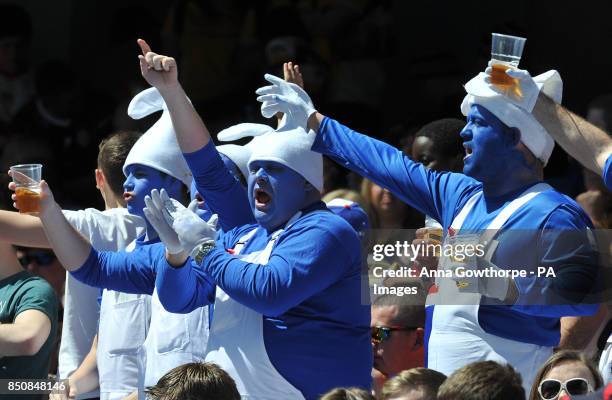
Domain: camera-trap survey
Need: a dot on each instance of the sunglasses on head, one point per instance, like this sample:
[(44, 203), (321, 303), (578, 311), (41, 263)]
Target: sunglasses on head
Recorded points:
[(42, 258), (382, 333), (549, 389)]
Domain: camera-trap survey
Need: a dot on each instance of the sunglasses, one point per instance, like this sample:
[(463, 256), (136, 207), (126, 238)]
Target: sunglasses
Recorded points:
[(549, 389), (382, 333), (41, 258)]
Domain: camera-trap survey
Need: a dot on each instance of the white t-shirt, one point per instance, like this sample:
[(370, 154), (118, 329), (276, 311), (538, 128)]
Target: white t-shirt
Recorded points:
[(110, 230)]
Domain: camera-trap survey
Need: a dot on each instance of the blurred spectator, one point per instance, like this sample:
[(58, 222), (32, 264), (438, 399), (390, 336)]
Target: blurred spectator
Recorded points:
[(194, 381), (438, 145), (344, 194), (28, 322), (16, 83), (483, 380), (347, 394), (387, 211), (398, 335), (413, 384), (565, 373), (44, 264)]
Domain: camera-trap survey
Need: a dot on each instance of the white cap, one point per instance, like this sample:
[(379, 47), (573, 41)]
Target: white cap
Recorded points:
[(157, 147), (292, 149), (533, 134), (240, 154)]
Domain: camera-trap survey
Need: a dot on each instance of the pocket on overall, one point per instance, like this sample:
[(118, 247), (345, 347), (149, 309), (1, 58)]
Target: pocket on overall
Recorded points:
[(127, 332), (172, 333)]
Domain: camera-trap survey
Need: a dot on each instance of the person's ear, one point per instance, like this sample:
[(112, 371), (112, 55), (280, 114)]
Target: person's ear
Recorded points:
[(100, 179), (514, 136)]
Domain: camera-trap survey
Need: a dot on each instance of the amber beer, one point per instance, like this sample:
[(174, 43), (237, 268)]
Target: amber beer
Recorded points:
[(27, 200), (500, 78)]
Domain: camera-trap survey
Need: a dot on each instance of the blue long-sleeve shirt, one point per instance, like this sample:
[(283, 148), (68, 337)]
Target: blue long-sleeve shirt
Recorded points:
[(443, 195), (136, 273), (217, 185), (316, 329)]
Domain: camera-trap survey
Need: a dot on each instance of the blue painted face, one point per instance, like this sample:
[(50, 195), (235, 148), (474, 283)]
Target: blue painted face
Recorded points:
[(276, 193), (202, 211), (139, 183), (490, 146)]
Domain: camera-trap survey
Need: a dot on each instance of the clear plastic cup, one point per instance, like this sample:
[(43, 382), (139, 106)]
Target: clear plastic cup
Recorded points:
[(506, 52), (27, 181)]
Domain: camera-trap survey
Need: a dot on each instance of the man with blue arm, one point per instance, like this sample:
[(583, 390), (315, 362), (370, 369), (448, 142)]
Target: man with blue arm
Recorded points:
[(588, 144), (506, 149), (287, 321)]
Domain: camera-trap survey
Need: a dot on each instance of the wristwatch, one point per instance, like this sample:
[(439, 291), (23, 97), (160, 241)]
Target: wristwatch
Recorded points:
[(202, 250)]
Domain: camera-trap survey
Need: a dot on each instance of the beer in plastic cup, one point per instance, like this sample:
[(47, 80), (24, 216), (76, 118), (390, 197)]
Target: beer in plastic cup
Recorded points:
[(27, 181)]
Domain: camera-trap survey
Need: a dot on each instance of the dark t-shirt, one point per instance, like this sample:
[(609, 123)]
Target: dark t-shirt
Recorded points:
[(19, 293)]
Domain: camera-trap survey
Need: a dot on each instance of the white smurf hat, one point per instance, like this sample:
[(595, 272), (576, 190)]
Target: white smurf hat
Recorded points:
[(533, 134), (291, 148), (157, 147), (240, 154)]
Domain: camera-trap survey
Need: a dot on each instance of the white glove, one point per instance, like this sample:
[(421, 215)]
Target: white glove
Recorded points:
[(164, 230), (187, 225), (287, 98), (525, 96)]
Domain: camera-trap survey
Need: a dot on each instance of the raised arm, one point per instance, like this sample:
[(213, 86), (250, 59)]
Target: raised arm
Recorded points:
[(161, 72), (582, 140), (425, 190), (22, 230), (69, 246)]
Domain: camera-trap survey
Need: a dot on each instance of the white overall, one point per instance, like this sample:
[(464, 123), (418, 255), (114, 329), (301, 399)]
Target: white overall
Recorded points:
[(173, 340), (236, 340), (456, 337), (124, 322)]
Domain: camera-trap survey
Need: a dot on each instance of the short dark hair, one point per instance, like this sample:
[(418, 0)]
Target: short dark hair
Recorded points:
[(195, 381), (113, 151), (483, 380), (416, 378), (347, 394), (444, 133)]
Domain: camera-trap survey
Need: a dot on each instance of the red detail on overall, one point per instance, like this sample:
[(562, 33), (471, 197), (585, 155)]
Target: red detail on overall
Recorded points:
[(451, 231), (231, 251)]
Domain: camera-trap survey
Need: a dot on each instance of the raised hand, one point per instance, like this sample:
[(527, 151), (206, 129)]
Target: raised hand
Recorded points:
[(524, 94), (158, 70), (46, 200), (287, 98), (292, 74), (155, 215)]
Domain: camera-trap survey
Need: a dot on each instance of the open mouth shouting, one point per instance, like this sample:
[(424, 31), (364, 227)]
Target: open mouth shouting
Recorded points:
[(468, 151), (200, 200), (262, 199)]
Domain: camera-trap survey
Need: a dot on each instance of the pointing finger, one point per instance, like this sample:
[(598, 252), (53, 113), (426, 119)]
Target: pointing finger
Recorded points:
[(144, 46)]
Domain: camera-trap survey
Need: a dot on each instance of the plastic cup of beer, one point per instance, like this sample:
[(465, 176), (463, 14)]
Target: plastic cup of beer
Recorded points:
[(506, 52), (27, 181)]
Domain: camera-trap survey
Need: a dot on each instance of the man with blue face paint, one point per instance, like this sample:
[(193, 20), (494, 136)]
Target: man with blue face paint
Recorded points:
[(287, 321), (502, 319), (584, 141)]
